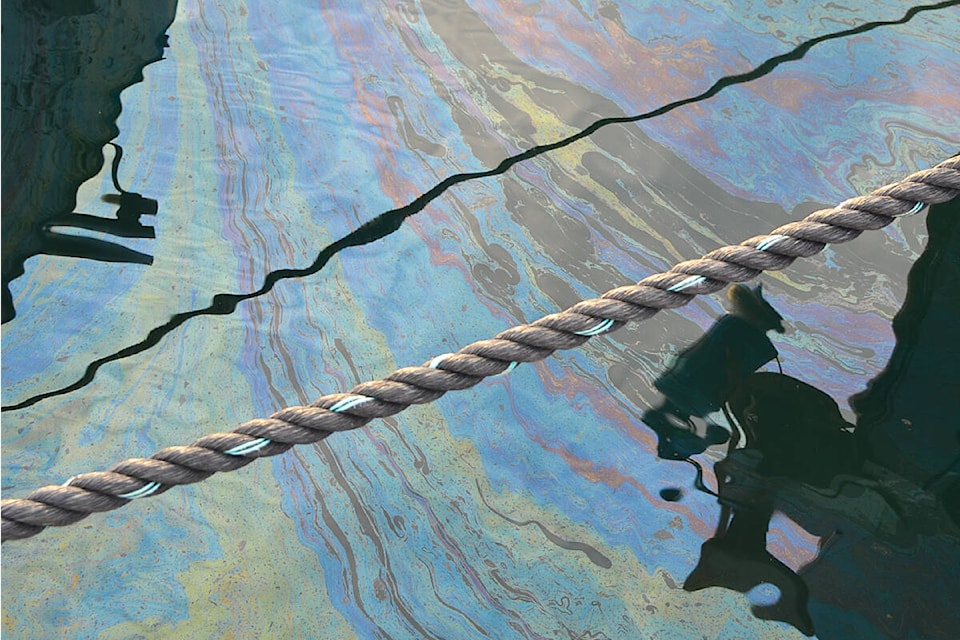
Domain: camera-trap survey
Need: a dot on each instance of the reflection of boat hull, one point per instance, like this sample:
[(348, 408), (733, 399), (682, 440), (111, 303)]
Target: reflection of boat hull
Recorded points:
[(60, 107), (908, 414)]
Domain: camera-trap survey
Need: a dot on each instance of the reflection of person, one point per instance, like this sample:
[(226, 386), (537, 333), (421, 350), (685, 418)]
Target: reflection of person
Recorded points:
[(699, 381), (793, 433), (798, 429), (883, 497)]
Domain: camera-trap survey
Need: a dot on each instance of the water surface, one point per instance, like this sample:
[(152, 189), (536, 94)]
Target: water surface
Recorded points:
[(530, 506)]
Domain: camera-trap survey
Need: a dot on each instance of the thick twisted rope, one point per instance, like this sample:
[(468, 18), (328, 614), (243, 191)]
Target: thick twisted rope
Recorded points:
[(142, 477)]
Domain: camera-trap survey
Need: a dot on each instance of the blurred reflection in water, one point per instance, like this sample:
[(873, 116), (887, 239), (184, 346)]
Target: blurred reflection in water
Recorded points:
[(704, 374), (882, 496)]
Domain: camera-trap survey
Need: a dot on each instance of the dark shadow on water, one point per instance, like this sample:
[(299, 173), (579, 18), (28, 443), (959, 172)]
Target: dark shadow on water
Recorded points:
[(388, 222), (882, 496), (60, 107)]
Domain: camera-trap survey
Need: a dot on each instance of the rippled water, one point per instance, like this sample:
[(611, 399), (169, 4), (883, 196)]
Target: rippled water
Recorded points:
[(531, 506)]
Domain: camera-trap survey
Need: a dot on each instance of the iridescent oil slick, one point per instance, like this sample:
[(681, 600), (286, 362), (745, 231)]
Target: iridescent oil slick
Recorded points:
[(286, 142)]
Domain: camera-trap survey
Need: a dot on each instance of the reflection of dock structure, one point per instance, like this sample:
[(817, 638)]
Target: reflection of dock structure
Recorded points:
[(60, 107), (881, 495), (908, 416), (126, 224)]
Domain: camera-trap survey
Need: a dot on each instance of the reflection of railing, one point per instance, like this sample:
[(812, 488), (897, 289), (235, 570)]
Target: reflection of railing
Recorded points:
[(138, 478)]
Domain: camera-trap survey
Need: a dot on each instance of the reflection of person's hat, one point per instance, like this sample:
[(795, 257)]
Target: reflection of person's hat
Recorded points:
[(750, 305)]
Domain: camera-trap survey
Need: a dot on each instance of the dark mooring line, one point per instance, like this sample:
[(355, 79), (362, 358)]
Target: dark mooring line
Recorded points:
[(389, 221)]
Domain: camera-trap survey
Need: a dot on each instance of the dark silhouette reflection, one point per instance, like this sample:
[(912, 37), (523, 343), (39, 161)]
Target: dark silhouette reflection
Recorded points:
[(882, 495), (789, 432), (737, 558), (60, 106), (909, 415), (904, 576), (699, 381), (127, 224)]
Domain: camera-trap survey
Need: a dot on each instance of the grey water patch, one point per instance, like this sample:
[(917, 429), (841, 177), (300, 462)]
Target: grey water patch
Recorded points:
[(596, 557)]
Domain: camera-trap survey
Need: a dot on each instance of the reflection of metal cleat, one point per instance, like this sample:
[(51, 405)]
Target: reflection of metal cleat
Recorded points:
[(126, 224), (132, 206), (58, 244)]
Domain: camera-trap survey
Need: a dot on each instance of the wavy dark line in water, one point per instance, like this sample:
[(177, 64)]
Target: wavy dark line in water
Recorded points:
[(595, 556), (389, 221)]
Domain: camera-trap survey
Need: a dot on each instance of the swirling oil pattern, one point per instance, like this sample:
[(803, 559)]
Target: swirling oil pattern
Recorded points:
[(529, 506)]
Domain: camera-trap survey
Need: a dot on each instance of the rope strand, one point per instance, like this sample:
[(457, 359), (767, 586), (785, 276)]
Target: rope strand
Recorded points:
[(145, 477)]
